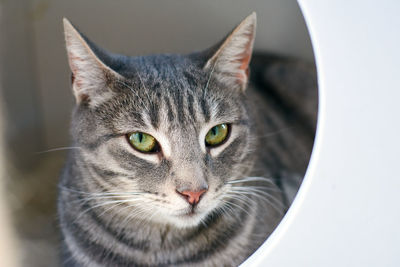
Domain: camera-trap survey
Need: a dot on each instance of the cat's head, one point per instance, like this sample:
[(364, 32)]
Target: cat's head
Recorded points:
[(165, 134)]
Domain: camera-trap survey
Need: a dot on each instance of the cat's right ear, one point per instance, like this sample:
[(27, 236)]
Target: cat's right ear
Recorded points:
[(90, 75)]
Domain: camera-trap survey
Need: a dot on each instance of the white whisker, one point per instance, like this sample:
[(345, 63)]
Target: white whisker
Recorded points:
[(236, 205), (270, 199), (58, 149), (100, 205), (251, 179)]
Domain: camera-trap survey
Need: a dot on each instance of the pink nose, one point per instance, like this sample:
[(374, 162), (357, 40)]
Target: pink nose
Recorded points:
[(192, 197)]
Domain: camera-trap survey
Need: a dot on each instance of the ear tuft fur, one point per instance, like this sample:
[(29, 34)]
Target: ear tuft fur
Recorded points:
[(230, 63)]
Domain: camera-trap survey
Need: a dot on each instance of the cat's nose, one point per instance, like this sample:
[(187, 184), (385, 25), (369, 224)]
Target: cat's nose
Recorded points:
[(193, 197)]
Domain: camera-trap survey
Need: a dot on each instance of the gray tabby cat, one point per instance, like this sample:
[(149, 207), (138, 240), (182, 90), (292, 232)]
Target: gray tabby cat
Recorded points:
[(175, 155)]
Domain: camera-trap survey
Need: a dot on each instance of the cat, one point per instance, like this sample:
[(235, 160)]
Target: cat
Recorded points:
[(178, 162)]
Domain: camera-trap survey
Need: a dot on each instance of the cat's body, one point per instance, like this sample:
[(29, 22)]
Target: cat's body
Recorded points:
[(186, 202)]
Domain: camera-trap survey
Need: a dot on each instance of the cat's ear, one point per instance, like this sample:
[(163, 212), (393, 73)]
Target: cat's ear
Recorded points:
[(230, 63), (90, 75)]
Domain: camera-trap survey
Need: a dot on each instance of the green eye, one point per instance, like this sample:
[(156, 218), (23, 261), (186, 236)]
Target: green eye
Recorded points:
[(217, 134), (143, 142)]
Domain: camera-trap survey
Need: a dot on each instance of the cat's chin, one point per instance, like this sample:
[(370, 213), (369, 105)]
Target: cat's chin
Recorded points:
[(188, 220), (184, 220)]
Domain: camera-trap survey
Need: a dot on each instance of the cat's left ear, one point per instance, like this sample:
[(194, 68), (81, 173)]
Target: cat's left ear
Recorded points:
[(230, 63)]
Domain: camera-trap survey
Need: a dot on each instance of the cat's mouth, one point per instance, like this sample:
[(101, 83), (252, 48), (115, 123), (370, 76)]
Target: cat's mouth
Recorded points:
[(192, 215), (190, 212)]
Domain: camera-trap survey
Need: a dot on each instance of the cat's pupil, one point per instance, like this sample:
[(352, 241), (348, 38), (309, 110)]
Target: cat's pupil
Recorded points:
[(214, 130), (140, 137)]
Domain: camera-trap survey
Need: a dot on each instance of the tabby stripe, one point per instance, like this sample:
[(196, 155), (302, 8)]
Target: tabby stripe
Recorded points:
[(170, 112), (178, 97), (190, 102), (205, 109), (84, 167), (231, 149), (218, 243), (154, 114), (94, 250), (106, 175), (129, 162), (105, 227)]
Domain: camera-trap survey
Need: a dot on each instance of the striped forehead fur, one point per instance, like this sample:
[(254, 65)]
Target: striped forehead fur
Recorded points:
[(153, 94)]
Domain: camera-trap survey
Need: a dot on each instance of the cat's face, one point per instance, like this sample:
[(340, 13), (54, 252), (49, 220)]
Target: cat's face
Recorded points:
[(166, 133)]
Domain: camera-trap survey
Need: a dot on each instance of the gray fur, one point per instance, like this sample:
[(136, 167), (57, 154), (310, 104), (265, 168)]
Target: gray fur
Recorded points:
[(115, 205)]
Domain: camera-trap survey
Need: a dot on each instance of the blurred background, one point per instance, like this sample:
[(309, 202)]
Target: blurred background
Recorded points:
[(36, 101)]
